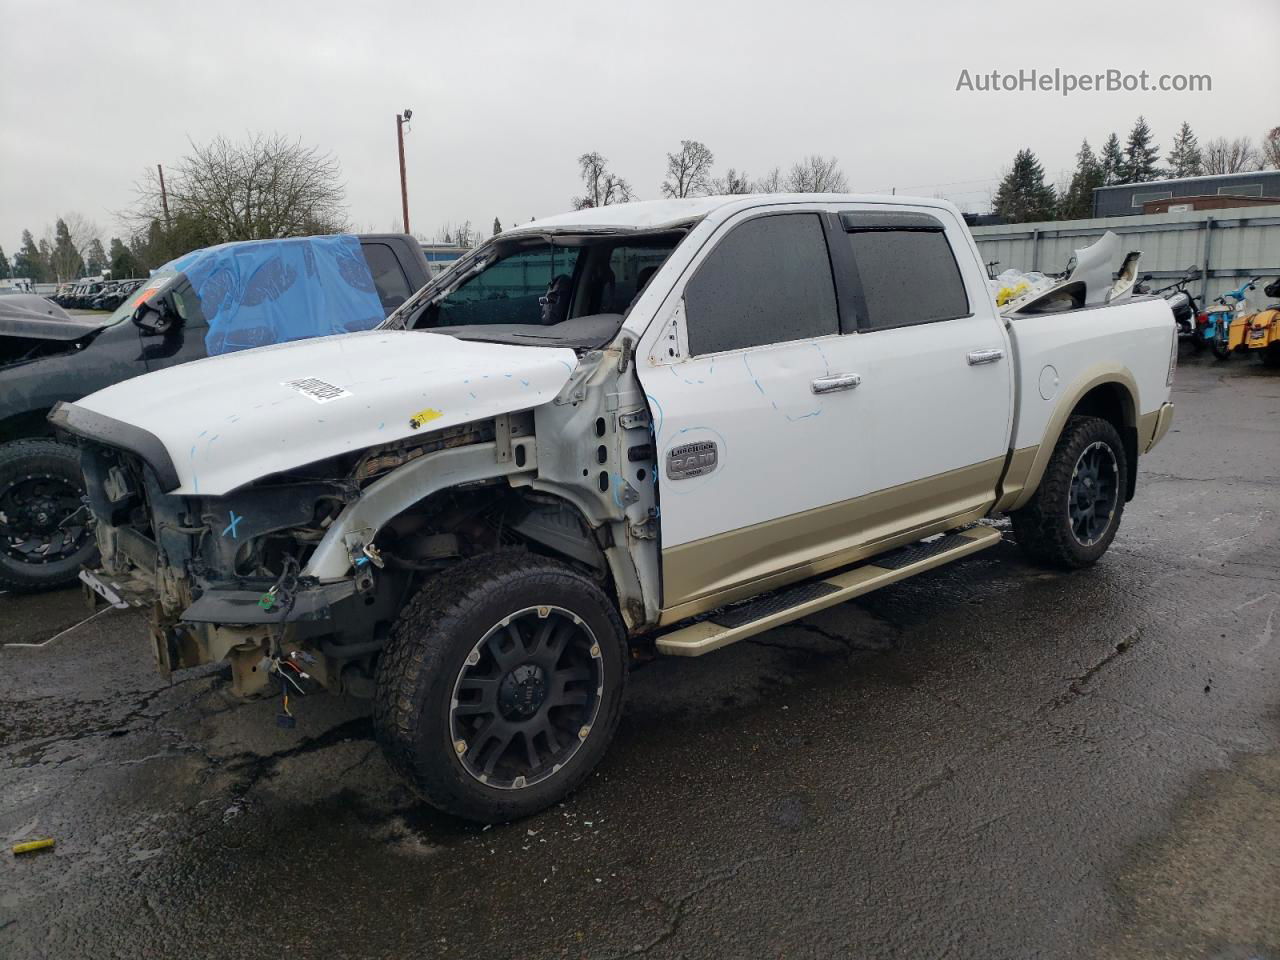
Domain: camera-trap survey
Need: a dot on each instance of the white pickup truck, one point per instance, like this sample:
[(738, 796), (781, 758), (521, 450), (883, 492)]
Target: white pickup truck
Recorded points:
[(656, 427)]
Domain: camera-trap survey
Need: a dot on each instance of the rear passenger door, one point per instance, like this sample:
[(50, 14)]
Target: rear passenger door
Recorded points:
[(935, 402), (750, 385)]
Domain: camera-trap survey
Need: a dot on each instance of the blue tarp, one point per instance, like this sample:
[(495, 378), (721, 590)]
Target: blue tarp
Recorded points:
[(258, 292)]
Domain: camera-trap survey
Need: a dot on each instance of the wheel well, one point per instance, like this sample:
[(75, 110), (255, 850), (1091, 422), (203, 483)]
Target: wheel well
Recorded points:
[(491, 518), (26, 426), (1114, 403)]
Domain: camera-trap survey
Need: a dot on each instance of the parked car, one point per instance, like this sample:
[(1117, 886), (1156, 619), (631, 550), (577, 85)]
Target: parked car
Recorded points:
[(44, 534), (659, 426)]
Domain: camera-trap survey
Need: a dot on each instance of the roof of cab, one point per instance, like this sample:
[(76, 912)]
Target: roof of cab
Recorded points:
[(657, 214)]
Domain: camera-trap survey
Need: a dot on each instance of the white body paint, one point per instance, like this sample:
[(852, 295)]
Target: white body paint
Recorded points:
[(920, 410), (1133, 336), (230, 420)]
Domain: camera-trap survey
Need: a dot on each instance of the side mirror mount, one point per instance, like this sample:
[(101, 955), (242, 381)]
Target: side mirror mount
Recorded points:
[(156, 317)]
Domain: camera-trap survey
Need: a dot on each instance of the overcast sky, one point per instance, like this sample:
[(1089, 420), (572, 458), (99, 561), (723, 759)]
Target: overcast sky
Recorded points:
[(506, 95)]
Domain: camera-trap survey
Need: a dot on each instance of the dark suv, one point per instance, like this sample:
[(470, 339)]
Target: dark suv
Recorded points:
[(45, 536)]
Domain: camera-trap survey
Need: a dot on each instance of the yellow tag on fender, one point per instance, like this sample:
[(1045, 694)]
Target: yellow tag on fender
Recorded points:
[(424, 416)]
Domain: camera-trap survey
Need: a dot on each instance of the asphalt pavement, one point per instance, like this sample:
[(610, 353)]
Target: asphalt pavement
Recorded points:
[(988, 761)]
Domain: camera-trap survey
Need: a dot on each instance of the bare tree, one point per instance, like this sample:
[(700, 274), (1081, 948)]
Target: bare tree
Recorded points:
[(83, 232), (689, 170), (1221, 155), (771, 182), (602, 187), (1271, 148), (734, 181), (262, 188), (816, 174)]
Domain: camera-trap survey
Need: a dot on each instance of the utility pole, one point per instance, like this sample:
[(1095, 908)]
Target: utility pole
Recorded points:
[(164, 197), (401, 120)]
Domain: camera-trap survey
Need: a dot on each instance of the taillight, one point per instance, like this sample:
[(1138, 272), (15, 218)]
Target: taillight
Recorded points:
[(1202, 319)]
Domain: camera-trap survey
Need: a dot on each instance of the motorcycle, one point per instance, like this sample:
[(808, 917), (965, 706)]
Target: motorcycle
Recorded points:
[(1260, 332), (1186, 311), (1218, 319)]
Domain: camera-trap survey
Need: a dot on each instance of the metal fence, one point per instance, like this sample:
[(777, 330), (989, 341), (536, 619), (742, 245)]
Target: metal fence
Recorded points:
[(1226, 247)]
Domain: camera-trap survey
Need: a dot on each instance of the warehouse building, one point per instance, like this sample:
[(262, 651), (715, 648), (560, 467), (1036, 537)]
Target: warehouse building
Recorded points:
[(1188, 193)]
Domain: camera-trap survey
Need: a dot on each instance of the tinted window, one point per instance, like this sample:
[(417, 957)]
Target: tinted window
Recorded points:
[(768, 281), (388, 276), (908, 276), (508, 291)]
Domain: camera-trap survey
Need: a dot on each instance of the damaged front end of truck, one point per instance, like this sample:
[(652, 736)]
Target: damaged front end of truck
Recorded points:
[(247, 545)]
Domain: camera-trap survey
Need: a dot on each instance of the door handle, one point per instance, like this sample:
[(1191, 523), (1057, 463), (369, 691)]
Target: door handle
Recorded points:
[(832, 384), (985, 356)]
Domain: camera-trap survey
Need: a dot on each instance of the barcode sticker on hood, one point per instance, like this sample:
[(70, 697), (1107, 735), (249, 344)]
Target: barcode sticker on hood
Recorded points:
[(317, 390)]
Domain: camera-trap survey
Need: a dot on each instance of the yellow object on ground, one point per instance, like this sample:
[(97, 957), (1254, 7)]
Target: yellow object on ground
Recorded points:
[(31, 846)]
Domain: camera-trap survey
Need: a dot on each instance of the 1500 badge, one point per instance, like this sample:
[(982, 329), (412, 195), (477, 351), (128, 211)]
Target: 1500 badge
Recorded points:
[(691, 460)]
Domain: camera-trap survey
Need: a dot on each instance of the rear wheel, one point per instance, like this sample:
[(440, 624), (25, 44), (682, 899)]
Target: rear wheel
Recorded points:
[(45, 530), (1075, 512), (1221, 342), (1271, 354), (501, 686)]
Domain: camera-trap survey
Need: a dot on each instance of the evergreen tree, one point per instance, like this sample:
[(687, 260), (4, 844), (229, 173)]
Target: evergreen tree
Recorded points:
[(66, 261), (1112, 161), (1023, 195), (1140, 155), (497, 226), (1077, 203), (1184, 158), (27, 261), (123, 262), (95, 258), (4, 261)]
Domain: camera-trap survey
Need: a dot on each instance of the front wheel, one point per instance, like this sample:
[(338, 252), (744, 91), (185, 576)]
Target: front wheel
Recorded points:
[(1075, 512), (46, 533), (501, 686)]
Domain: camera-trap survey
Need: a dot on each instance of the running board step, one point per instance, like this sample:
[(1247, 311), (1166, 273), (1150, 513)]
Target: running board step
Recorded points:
[(791, 603)]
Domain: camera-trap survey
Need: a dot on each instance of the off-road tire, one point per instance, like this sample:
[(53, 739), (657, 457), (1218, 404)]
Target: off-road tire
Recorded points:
[(429, 645), (1043, 526), (21, 458), (1271, 355)]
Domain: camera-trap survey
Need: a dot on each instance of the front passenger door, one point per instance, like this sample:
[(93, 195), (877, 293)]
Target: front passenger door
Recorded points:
[(751, 394)]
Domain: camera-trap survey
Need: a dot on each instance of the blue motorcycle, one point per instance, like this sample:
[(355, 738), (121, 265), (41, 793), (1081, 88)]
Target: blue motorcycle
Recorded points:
[(1217, 328)]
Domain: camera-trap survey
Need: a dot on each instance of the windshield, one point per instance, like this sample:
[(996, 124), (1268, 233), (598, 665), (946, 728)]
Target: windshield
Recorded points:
[(561, 291)]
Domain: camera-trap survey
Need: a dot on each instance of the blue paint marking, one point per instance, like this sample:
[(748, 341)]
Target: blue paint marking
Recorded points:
[(774, 403), (231, 527), (657, 428)]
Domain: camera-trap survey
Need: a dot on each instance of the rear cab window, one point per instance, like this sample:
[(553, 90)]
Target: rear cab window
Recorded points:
[(905, 268), (388, 275), (768, 281)]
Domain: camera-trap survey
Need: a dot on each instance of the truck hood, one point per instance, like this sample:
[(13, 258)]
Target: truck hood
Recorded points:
[(227, 421)]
